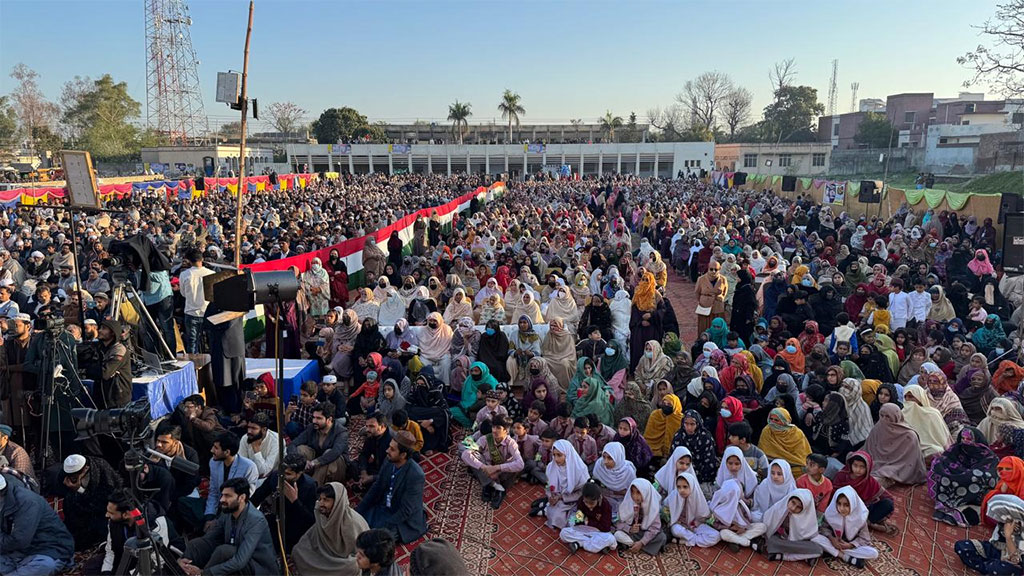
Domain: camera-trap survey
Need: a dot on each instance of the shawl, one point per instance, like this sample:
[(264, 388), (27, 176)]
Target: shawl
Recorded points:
[(650, 370), (619, 477), (987, 338), (796, 359), (976, 399), (949, 403), (637, 450), (568, 478), (768, 493), (550, 401), (859, 412), (689, 511), (927, 421), (387, 407), (595, 401), (392, 309), (960, 476), (366, 306), (718, 331), (665, 476), (1001, 412), (869, 490), (471, 386), (558, 347), (632, 406), (458, 307), (328, 548), (562, 306), (701, 444), (753, 369), (662, 428), (1007, 377), (644, 293), (528, 307), (401, 338), (345, 334), (380, 292), (980, 265), (911, 366), (727, 505), (435, 342), (611, 365), (802, 526), (733, 405), (783, 440), (491, 288), (846, 527), (621, 308), (746, 476), (650, 502), (1010, 471), (942, 309), (895, 448)]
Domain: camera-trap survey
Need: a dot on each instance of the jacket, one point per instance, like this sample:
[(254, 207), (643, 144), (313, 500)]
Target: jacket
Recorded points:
[(254, 548), (335, 445), (242, 467), (404, 514), (712, 295), (28, 525)]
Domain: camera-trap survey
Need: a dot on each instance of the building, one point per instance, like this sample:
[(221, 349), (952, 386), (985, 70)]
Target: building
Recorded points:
[(213, 160), (799, 159), (956, 146), (871, 105), (663, 159), (496, 132), (840, 130)]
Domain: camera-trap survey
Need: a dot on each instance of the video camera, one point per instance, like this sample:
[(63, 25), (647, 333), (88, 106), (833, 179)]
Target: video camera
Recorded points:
[(129, 424)]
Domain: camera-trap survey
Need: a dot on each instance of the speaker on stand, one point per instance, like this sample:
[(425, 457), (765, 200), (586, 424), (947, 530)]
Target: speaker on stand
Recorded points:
[(1013, 243), (870, 192)]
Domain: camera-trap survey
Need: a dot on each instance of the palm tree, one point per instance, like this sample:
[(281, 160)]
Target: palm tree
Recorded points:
[(457, 113), (511, 108), (609, 123)]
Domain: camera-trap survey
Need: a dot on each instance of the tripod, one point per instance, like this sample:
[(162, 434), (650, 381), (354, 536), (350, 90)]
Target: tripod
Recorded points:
[(125, 293), (150, 554), (57, 354)]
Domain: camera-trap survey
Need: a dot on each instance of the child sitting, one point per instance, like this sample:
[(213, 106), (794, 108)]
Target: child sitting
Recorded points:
[(688, 512), (734, 467), (814, 480), (534, 424), (844, 532), (772, 489), (529, 449), (639, 525), (562, 423), (679, 462), (367, 392), (791, 525), (584, 444), (730, 515), (591, 527), (739, 436), (614, 473), (492, 407)]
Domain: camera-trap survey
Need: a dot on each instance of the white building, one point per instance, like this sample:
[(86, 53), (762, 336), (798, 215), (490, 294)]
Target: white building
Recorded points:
[(664, 159)]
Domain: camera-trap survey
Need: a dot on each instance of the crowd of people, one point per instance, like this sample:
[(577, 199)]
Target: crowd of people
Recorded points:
[(836, 355)]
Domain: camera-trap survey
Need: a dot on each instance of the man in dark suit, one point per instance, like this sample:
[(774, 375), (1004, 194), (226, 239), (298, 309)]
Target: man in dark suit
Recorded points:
[(395, 500), (238, 543), (227, 358)]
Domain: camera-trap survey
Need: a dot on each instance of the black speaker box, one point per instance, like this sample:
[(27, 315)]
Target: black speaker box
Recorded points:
[(739, 179), (869, 193), (789, 183), (1010, 203), (1013, 242)]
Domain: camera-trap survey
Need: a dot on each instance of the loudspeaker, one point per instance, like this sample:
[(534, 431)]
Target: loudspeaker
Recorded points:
[(1010, 203), (1013, 242), (789, 183), (870, 192), (739, 179)]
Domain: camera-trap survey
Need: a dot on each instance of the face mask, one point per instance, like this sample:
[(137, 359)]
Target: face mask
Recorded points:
[(725, 412), (1000, 351), (666, 410), (609, 351), (433, 325), (535, 371), (791, 349), (408, 286), (805, 282), (707, 354), (346, 320), (477, 377), (489, 331)]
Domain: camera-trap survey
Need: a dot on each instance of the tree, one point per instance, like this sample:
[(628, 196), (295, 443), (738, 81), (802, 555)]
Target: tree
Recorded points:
[(736, 109), (231, 130), (70, 94), (33, 109), (285, 116), (458, 114), (876, 131), (632, 128), (672, 126), (1002, 64), (610, 123), (511, 108), (8, 123), (103, 114), (703, 95), (341, 125), (790, 117), (782, 74), (45, 140)]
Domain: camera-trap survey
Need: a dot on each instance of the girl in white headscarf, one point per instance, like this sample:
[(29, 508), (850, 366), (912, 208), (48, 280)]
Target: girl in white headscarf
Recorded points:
[(688, 512), (615, 473), (639, 524), (792, 524), (732, 515), (566, 476), (773, 489), (735, 467), (844, 530)]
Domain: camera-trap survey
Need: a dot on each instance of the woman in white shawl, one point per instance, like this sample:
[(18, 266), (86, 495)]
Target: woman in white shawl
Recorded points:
[(857, 239), (380, 291), (757, 262), (927, 421), (559, 350), (563, 306), (791, 525), (772, 489), (596, 279), (528, 307), (328, 548), (458, 307), (513, 299), (489, 289), (566, 476), (1002, 414), (645, 251), (435, 346), (317, 286), (615, 473), (688, 512), (366, 306), (621, 307), (493, 308), (857, 410), (391, 309)]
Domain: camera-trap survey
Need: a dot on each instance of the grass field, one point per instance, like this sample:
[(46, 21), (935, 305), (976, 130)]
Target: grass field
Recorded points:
[(988, 184)]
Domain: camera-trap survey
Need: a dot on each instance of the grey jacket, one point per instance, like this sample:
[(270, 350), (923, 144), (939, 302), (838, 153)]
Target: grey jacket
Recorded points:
[(254, 547)]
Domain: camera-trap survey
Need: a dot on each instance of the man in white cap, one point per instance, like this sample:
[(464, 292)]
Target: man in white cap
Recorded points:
[(33, 541), (38, 267), (88, 482)]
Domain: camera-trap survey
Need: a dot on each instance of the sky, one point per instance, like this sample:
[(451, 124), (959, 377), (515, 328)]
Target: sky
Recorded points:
[(403, 61)]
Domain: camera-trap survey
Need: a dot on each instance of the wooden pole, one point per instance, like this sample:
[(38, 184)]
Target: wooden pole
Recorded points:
[(241, 148)]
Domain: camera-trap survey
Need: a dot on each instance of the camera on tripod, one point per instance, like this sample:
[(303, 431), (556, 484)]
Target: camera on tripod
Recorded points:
[(128, 424), (53, 325)]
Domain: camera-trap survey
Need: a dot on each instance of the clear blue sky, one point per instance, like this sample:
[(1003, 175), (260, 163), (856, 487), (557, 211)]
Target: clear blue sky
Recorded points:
[(401, 61)]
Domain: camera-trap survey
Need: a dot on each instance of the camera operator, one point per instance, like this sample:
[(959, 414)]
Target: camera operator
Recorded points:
[(300, 499), (33, 541), (88, 481), (121, 529), (113, 373)]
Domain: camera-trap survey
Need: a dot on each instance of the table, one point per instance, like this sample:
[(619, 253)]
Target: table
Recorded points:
[(295, 373), (166, 391)]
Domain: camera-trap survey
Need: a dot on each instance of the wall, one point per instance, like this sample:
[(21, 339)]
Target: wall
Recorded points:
[(730, 157), (865, 161), (896, 107), (1000, 152)]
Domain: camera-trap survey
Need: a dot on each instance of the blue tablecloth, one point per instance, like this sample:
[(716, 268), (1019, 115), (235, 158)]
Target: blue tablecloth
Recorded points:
[(295, 373), (166, 391)]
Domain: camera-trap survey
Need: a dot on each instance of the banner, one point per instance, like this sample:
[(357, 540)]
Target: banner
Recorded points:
[(835, 193), (351, 251), (399, 148), (534, 148)]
